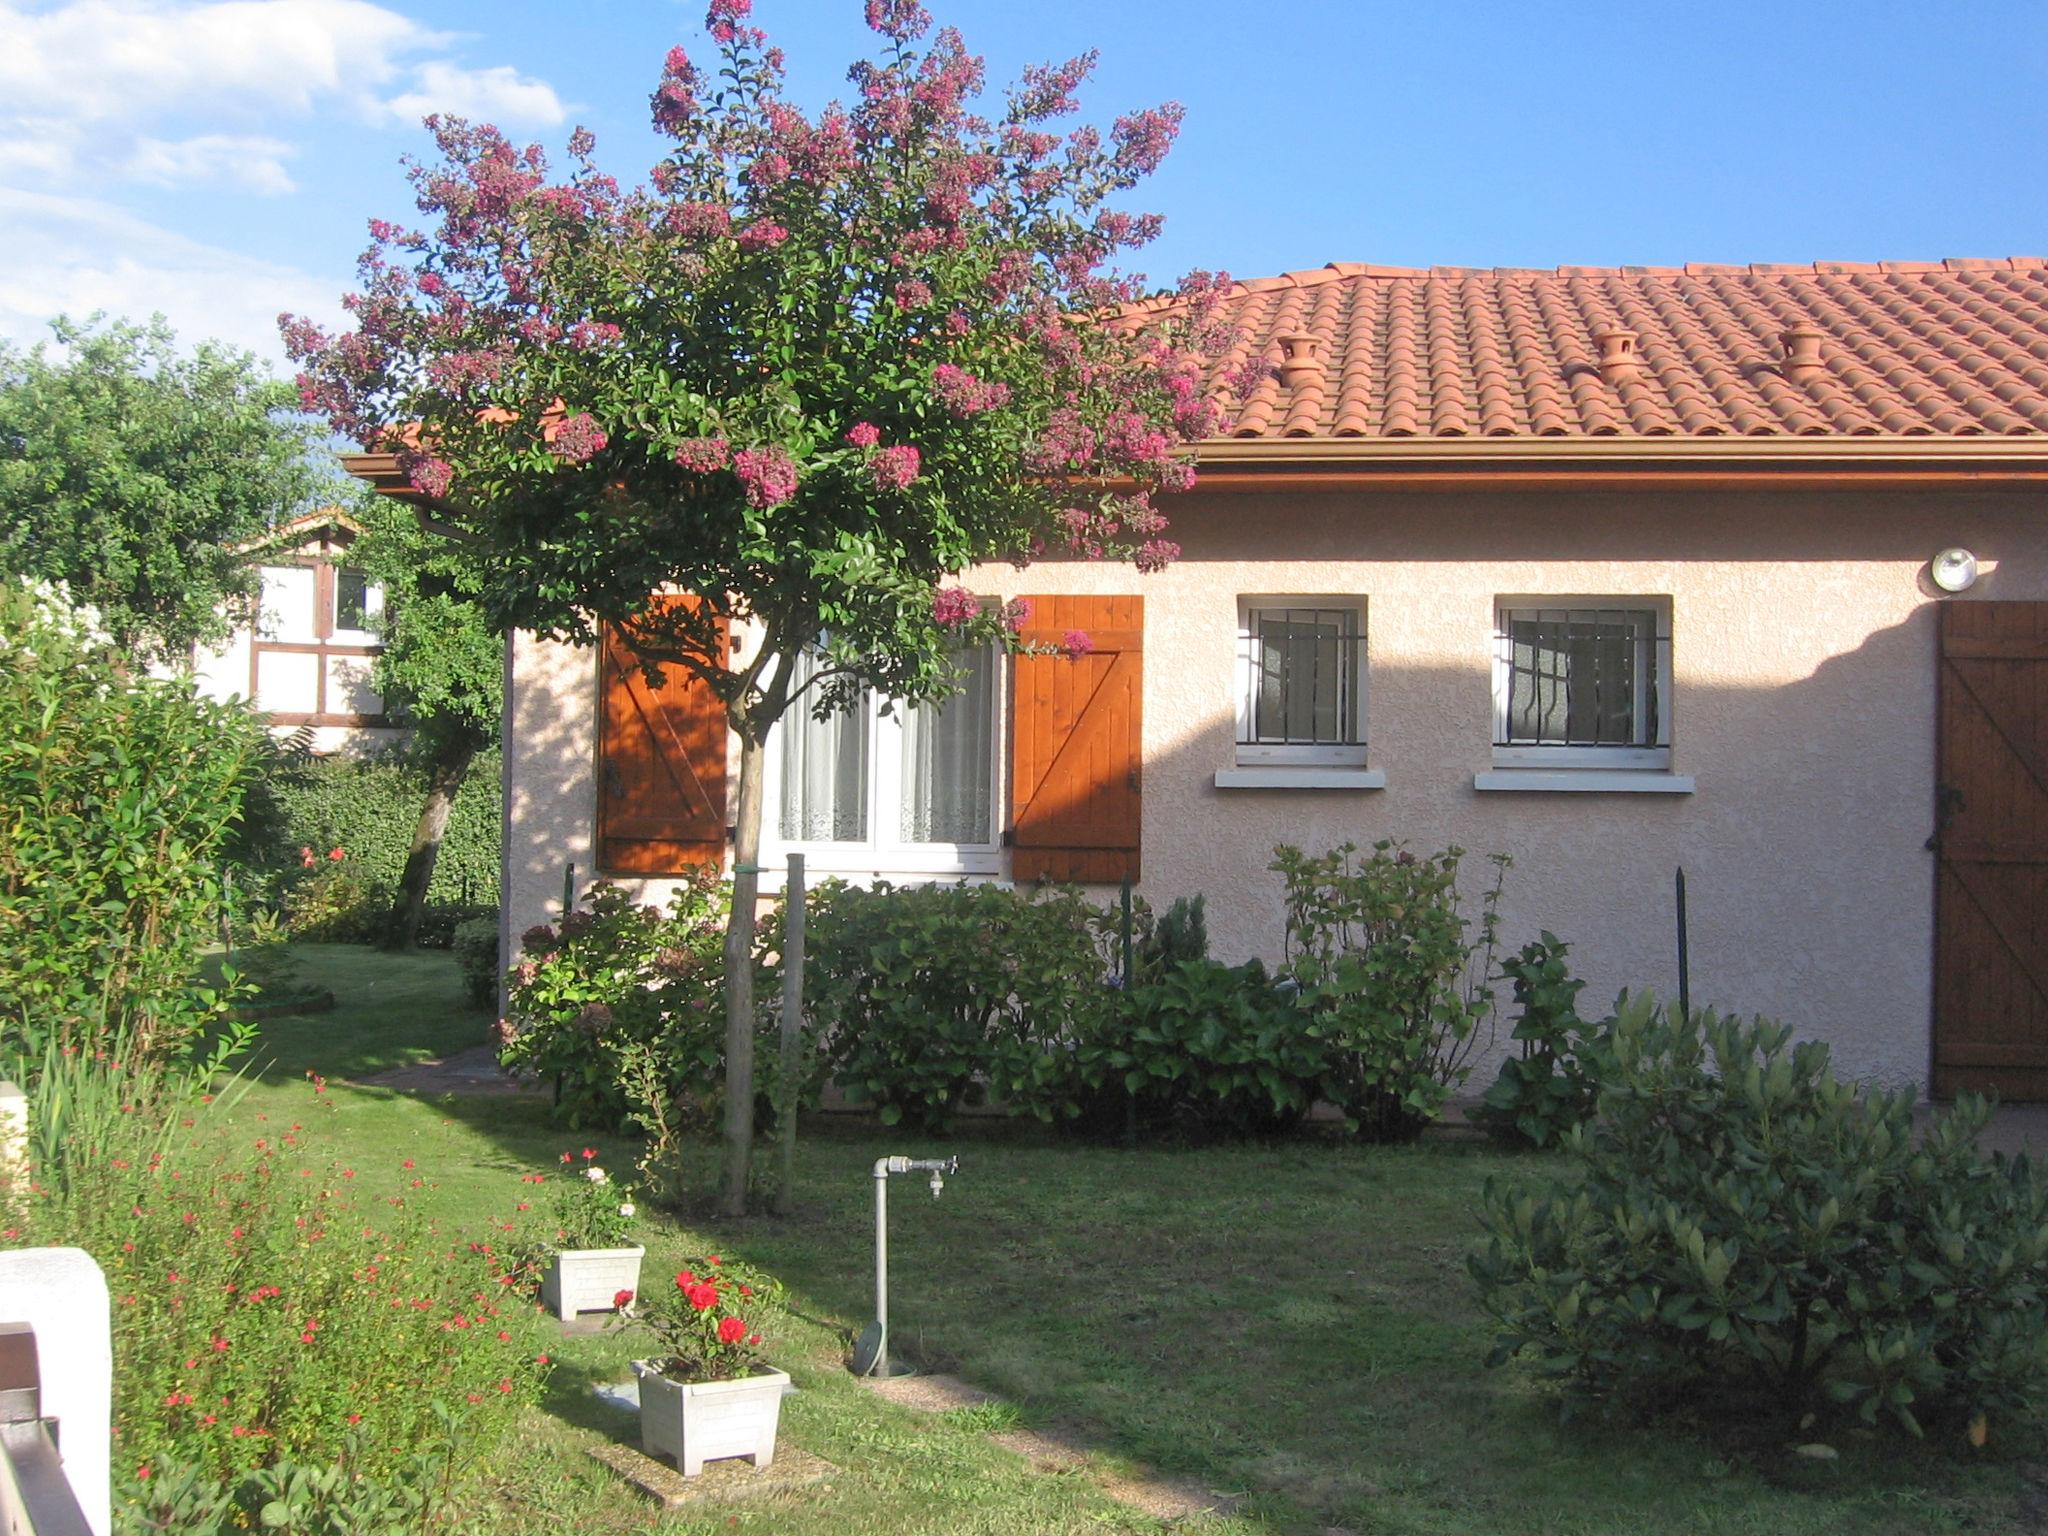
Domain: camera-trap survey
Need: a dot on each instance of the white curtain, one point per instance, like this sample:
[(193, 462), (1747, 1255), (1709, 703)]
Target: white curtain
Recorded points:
[(824, 770), (947, 761)]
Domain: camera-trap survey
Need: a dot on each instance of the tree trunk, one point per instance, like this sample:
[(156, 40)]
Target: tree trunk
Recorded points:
[(739, 975), (450, 768)]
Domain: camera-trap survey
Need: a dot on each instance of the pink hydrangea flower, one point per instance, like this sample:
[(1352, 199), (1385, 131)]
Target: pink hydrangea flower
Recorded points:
[(894, 468), (953, 607), (703, 455), (578, 439), (769, 475), (863, 434)]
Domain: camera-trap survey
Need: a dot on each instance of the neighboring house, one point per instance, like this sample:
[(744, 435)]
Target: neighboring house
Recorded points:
[(306, 660), (1616, 572)]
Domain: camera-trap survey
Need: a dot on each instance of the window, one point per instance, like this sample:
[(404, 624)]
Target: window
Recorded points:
[(897, 790), (358, 602), (1582, 683), (1301, 681)]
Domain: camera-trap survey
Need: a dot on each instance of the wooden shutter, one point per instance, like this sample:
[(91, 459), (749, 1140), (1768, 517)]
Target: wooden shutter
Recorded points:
[(1991, 841), (660, 767), (1077, 743)]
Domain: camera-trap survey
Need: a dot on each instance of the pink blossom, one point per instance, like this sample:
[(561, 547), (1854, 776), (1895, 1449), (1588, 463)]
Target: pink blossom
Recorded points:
[(699, 221), (723, 19), (762, 235), (894, 468), (953, 607), (1076, 644), (585, 334), (768, 170), (913, 293), (863, 434), (961, 393), (578, 439), (769, 474), (674, 101), (703, 455), (430, 477), (1016, 614), (898, 20), (1143, 138), (1156, 555)]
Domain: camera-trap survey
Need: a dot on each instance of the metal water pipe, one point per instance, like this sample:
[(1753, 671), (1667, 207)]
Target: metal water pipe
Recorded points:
[(871, 1355)]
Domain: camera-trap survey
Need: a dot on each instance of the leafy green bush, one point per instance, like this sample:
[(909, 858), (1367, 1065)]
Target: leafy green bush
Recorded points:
[(336, 905), (615, 972), (475, 942), (1205, 1051), (1390, 976), (1550, 1086), (1740, 1224), (931, 996), (369, 807), (118, 793)]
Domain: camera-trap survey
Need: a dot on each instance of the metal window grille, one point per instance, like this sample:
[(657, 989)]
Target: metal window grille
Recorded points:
[(1581, 677), (1301, 677)]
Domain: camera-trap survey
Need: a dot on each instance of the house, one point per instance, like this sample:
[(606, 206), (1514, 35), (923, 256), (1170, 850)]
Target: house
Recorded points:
[(1736, 570), (306, 659)]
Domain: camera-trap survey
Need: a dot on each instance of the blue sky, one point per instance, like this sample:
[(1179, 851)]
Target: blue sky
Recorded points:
[(217, 161)]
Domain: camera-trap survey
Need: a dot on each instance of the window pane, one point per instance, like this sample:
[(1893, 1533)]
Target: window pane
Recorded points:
[(1301, 684), (1581, 678), (948, 762), (824, 771), (351, 605)]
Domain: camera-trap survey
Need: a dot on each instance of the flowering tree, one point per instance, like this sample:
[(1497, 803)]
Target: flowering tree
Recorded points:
[(817, 366)]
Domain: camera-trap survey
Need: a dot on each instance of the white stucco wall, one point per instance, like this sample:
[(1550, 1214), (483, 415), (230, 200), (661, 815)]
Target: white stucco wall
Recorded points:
[(1803, 706)]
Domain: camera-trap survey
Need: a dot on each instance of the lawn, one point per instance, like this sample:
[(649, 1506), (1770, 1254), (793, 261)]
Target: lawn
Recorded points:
[(1289, 1324)]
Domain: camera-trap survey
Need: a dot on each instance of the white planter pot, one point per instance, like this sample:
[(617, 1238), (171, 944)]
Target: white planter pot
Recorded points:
[(698, 1421), (586, 1279)]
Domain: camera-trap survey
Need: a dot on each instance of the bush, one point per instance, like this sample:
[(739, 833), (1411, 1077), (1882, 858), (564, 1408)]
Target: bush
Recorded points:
[(1206, 1051), (262, 1313), (336, 905), (118, 794), (475, 942), (1391, 980), (1550, 1087), (370, 806), (616, 974), (1741, 1225), (931, 997)]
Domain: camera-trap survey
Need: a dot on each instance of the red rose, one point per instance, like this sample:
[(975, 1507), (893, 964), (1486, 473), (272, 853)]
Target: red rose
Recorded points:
[(622, 1299), (731, 1330), (336, 855), (589, 1153), (702, 1297), (686, 1279)]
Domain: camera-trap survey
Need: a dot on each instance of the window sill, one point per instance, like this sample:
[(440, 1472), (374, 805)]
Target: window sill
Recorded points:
[(1596, 781), (1301, 778)]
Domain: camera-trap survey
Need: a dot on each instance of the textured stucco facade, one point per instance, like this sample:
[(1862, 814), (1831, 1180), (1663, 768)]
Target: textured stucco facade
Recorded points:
[(1803, 708)]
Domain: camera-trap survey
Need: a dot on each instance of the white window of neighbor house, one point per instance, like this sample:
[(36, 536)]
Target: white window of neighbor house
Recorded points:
[(1582, 683), (288, 605), (358, 606), (893, 791), (1301, 681)]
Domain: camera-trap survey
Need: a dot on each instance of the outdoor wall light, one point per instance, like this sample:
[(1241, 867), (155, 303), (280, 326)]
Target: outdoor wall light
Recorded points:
[(1953, 570)]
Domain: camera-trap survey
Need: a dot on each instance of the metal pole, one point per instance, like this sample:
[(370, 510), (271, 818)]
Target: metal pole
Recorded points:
[(882, 1264), (1125, 927), (789, 1089), (1684, 963), (568, 889)]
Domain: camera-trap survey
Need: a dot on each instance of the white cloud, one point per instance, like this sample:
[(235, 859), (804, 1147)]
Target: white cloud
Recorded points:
[(254, 164), (84, 83), (496, 95), (73, 255)]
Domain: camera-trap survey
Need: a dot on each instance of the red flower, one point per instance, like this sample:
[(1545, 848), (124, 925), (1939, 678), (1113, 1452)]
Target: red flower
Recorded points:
[(336, 855), (712, 1258), (746, 1290), (702, 1297), (306, 857), (686, 1279), (731, 1330), (589, 1153), (568, 1157), (620, 1300), (143, 1472), (355, 1418)]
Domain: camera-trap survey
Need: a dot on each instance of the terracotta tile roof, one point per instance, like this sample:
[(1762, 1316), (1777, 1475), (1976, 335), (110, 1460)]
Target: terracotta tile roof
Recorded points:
[(1833, 349)]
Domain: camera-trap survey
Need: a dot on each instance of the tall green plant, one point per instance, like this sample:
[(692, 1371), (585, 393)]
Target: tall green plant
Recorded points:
[(1392, 975), (118, 795), (1549, 1085)]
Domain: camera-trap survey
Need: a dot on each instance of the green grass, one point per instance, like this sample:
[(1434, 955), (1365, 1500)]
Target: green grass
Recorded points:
[(1292, 1324)]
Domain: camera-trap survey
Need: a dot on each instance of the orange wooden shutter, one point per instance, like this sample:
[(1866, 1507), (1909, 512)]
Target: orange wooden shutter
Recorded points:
[(660, 767), (1077, 743)]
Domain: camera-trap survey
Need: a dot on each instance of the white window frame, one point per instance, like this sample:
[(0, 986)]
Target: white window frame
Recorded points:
[(1352, 680), (1651, 757), (881, 855), (373, 609)]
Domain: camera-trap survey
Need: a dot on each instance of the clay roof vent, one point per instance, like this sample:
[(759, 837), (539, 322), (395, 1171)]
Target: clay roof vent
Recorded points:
[(1301, 359), (1802, 352), (1618, 356)]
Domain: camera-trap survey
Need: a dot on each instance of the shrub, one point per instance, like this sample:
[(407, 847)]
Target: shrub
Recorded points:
[(1205, 1051), (263, 1311), (590, 1209), (475, 942), (1740, 1224), (1391, 978), (615, 973), (706, 1323), (117, 795), (931, 996), (1550, 1086)]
